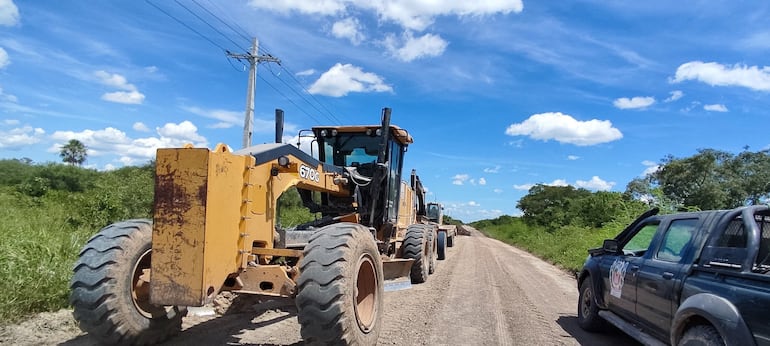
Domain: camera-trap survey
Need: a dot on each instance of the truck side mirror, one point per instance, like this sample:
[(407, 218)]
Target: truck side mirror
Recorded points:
[(610, 246)]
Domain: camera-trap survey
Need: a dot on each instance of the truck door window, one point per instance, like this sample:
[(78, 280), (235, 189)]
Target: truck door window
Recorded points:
[(678, 236), (638, 244)]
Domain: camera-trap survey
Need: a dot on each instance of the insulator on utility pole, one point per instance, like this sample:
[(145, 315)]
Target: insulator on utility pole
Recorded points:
[(253, 60)]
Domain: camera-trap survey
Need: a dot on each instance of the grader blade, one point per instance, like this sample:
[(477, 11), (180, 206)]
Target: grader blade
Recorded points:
[(397, 274)]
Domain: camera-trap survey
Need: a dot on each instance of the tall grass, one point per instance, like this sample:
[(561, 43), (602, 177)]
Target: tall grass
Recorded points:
[(37, 250), (566, 247)]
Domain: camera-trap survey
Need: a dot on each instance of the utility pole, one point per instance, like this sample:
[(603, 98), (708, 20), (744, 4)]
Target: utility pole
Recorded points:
[(253, 60)]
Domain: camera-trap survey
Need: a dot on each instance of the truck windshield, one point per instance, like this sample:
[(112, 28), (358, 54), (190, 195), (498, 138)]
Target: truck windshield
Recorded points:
[(433, 211), (351, 149)]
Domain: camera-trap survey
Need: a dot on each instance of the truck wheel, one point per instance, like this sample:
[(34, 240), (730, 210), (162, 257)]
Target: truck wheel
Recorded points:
[(416, 247), (110, 288), (339, 299), (450, 241), (701, 335), (441, 244), (588, 311)]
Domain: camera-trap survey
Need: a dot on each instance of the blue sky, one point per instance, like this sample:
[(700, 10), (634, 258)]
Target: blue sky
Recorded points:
[(498, 94)]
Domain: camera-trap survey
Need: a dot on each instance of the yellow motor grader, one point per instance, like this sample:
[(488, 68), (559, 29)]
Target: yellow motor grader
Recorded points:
[(215, 228)]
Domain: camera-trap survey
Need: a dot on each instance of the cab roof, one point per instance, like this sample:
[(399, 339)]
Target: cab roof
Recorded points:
[(401, 135)]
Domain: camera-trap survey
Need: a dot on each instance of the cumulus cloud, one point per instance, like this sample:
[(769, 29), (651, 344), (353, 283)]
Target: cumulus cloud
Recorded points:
[(715, 74), (565, 129), (460, 179), (349, 28), (4, 59), (141, 127), (409, 48), (675, 95), (9, 13), (715, 108), (651, 167), (495, 169), (573, 157), (482, 181), (410, 14), (116, 142), (341, 80), (473, 204), (129, 95), (595, 183), (20, 137), (634, 102)]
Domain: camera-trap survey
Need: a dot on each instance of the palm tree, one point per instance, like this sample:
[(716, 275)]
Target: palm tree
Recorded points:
[(74, 152)]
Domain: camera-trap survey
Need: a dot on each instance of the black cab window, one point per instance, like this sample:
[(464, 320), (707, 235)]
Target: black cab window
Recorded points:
[(678, 236), (638, 244)]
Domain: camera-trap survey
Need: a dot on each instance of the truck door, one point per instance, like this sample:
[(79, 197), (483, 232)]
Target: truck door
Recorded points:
[(619, 272), (660, 277)]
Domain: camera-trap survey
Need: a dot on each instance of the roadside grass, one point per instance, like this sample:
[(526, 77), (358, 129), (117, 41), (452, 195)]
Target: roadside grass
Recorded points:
[(566, 247), (37, 251)]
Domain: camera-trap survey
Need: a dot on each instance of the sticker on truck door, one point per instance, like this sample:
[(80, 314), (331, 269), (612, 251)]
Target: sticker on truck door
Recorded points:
[(617, 277)]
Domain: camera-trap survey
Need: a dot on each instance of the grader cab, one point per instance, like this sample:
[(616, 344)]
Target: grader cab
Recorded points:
[(215, 229)]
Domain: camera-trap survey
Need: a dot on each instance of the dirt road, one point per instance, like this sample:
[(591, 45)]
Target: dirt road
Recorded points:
[(484, 293)]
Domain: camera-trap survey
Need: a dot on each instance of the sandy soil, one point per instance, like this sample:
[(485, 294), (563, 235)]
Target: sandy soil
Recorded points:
[(484, 293)]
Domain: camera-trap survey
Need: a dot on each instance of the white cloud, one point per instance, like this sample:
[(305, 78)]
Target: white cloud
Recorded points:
[(126, 97), (524, 187), (116, 142), (9, 13), (675, 95), (565, 129), (11, 122), (473, 204), (652, 167), (715, 108), (715, 74), (634, 102), (409, 48), (495, 169), (4, 59), (573, 157), (482, 181), (226, 118), (130, 95), (141, 127), (460, 179), (410, 14), (558, 182), (498, 190), (21, 137), (343, 79), (595, 183), (349, 28), (308, 72)]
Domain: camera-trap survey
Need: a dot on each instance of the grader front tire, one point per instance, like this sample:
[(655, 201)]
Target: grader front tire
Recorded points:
[(110, 291), (340, 296)]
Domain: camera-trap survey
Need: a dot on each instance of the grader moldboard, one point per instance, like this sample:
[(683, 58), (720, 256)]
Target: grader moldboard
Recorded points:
[(214, 229)]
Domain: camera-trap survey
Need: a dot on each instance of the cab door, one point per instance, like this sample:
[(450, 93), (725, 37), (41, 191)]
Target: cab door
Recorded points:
[(619, 272), (660, 277)]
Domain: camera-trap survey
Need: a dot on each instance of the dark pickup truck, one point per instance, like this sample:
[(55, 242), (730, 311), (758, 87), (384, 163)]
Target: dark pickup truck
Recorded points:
[(699, 278)]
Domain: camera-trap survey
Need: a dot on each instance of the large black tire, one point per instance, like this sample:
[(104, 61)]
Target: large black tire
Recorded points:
[(340, 287), (701, 335), (109, 296), (450, 241), (588, 311), (416, 247), (441, 245)]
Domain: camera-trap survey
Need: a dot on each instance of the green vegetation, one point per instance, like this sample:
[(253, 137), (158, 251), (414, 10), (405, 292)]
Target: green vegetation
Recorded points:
[(559, 223), (49, 212)]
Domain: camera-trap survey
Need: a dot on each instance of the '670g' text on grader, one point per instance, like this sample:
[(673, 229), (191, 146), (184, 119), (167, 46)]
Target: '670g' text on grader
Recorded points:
[(214, 228)]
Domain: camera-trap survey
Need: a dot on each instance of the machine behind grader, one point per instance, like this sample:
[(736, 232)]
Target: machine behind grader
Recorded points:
[(215, 228)]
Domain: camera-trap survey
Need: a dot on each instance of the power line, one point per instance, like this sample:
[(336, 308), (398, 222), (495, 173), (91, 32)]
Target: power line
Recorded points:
[(290, 100), (186, 26), (302, 96), (245, 37), (210, 26)]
